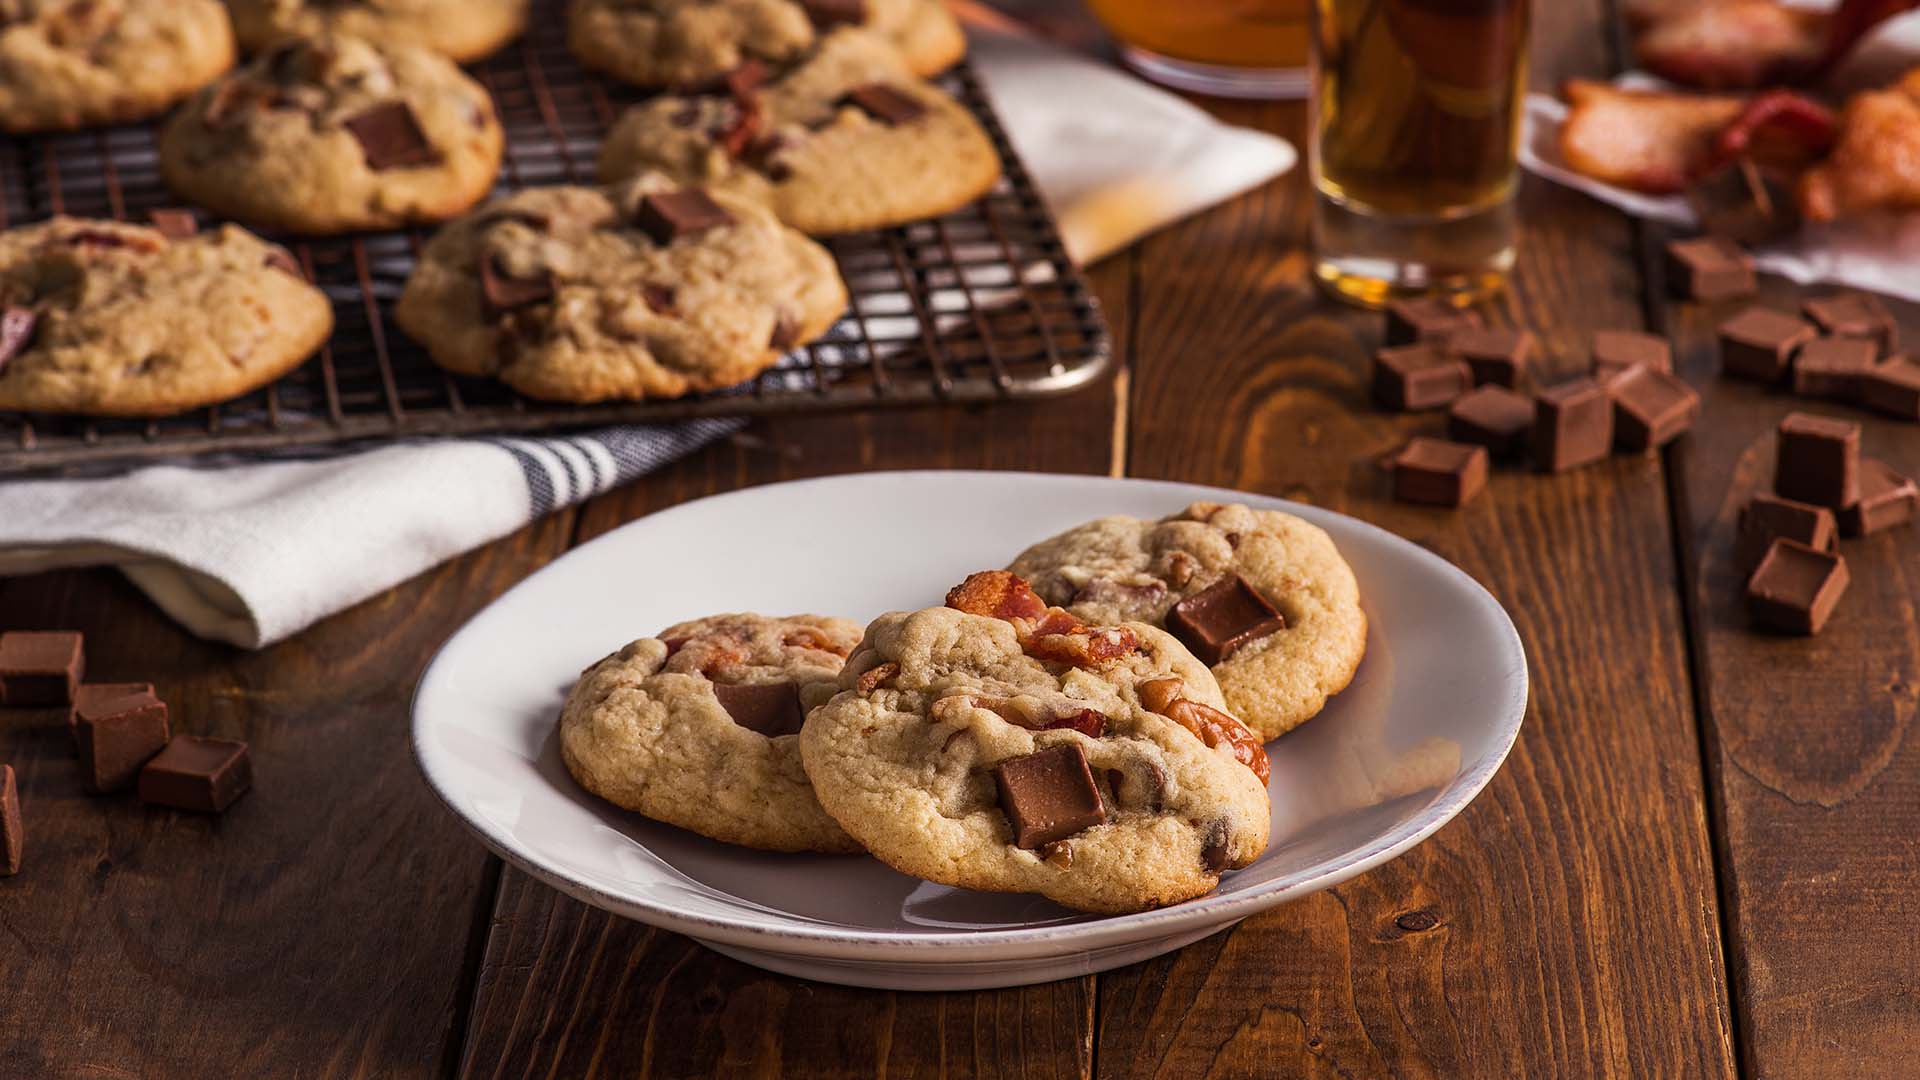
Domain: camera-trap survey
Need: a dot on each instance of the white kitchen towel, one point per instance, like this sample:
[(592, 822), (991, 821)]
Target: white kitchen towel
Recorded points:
[(251, 551)]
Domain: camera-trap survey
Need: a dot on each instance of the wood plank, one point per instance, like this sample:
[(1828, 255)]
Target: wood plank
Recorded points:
[(1569, 914), (321, 927), (567, 990)]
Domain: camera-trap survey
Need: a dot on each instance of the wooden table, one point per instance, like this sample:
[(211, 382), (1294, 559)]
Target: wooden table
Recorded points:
[(1702, 857)]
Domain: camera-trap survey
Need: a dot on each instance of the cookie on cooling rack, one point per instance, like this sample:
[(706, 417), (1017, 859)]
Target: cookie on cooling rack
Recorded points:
[(461, 29), (699, 727), (68, 64), (336, 134), (103, 318), (646, 289), (691, 43), (845, 139)]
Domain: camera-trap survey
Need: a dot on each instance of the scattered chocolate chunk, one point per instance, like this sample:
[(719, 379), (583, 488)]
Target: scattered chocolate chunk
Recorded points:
[(1223, 618), (282, 260), (1832, 367), (1215, 848), (1819, 460), (1418, 376), (173, 222), (1745, 203), (1855, 315), (501, 292), (1893, 388), (93, 695), (1710, 268), (13, 838), (1496, 356), (1048, 795), (390, 137), (659, 298), (1494, 417), (16, 332), (1572, 425), (772, 709), (1142, 788), (887, 104), (1615, 351), (1768, 517), (668, 216), (1650, 408), (199, 774), (1887, 498), (1759, 343), (1795, 588), (117, 737), (40, 668), (1427, 318), (1435, 472), (785, 334), (827, 13)]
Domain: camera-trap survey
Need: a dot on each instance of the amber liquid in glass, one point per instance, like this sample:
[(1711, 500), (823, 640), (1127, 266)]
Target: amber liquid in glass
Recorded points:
[(1239, 48)]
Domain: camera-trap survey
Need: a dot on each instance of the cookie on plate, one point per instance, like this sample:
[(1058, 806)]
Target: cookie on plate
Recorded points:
[(698, 727), (642, 290), (691, 43), (461, 29), (333, 134), (104, 318), (844, 140), (998, 744), (1262, 596), (67, 64)]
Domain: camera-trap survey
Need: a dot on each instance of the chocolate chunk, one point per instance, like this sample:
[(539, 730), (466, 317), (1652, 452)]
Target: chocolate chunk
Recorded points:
[(785, 333), (1494, 417), (501, 292), (173, 222), (1768, 517), (1855, 315), (1832, 367), (1426, 318), (1893, 388), (1572, 425), (195, 773), (117, 737), (390, 137), (282, 260), (1759, 343), (1223, 618), (668, 216), (1418, 376), (1819, 460), (1650, 408), (39, 668), (1142, 788), (93, 695), (16, 332), (772, 709), (659, 298), (1048, 795), (1615, 351), (827, 13), (887, 104), (1215, 848), (1710, 268), (1494, 356), (13, 837), (1795, 588), (1439, 473), (1745, 203), (1887, 498)]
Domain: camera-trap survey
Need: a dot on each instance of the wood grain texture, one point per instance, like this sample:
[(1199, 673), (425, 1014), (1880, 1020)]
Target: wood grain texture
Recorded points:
[(322, 926)]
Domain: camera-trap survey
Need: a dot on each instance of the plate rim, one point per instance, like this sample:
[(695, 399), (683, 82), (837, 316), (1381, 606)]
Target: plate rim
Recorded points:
[(832, 942)]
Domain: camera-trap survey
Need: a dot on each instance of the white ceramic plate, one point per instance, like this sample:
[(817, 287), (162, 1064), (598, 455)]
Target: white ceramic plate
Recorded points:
[(1434, 708)]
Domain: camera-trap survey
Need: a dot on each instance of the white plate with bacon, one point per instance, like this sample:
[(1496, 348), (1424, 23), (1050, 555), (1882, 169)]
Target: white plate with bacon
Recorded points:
[(1430, 715)]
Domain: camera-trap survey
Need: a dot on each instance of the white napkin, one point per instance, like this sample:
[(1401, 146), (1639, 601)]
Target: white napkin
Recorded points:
[(1880, 253), (251, 552)]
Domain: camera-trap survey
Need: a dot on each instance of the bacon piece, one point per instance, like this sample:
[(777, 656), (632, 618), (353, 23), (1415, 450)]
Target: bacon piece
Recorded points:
[(1734, 44), (707, 654), (1645, 140), (1083, 646), (1875, 165), (1212, 726), (1780, 129), (1087, 722), (1045, 633), (996, 594), (871, 678), (812, 637)]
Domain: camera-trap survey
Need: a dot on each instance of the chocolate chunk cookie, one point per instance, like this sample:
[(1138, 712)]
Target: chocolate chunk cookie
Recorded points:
[(109, 319), (998, 744), (690, 43), (845, 139), (461, 29), (642, 290), (334, 134), (698, 727), (1263, 597), (68, 64)]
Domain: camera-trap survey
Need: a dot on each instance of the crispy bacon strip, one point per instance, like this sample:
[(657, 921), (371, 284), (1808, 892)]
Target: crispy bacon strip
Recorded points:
[(1213, 727), (1645, 140), (1046, 633), (996, 594), (1780, 128), (1875, 165), (871, 678)]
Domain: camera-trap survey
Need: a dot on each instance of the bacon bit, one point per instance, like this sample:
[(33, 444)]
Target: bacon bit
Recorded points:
[(996, 594), (707, 654), (1214, 727), (871, 679), (812, 637), (1180, 568), (1779, 128), (674, 644), (1084, 647), (1087, 722), (1046, 633)]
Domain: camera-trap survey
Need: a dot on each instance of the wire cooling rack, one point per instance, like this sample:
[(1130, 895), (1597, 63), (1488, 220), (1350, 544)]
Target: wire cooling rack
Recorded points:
[(980, 305)]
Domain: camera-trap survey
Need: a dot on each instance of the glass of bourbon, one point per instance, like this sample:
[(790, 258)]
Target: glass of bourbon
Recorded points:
[(1414, 137), (1227, 48)]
